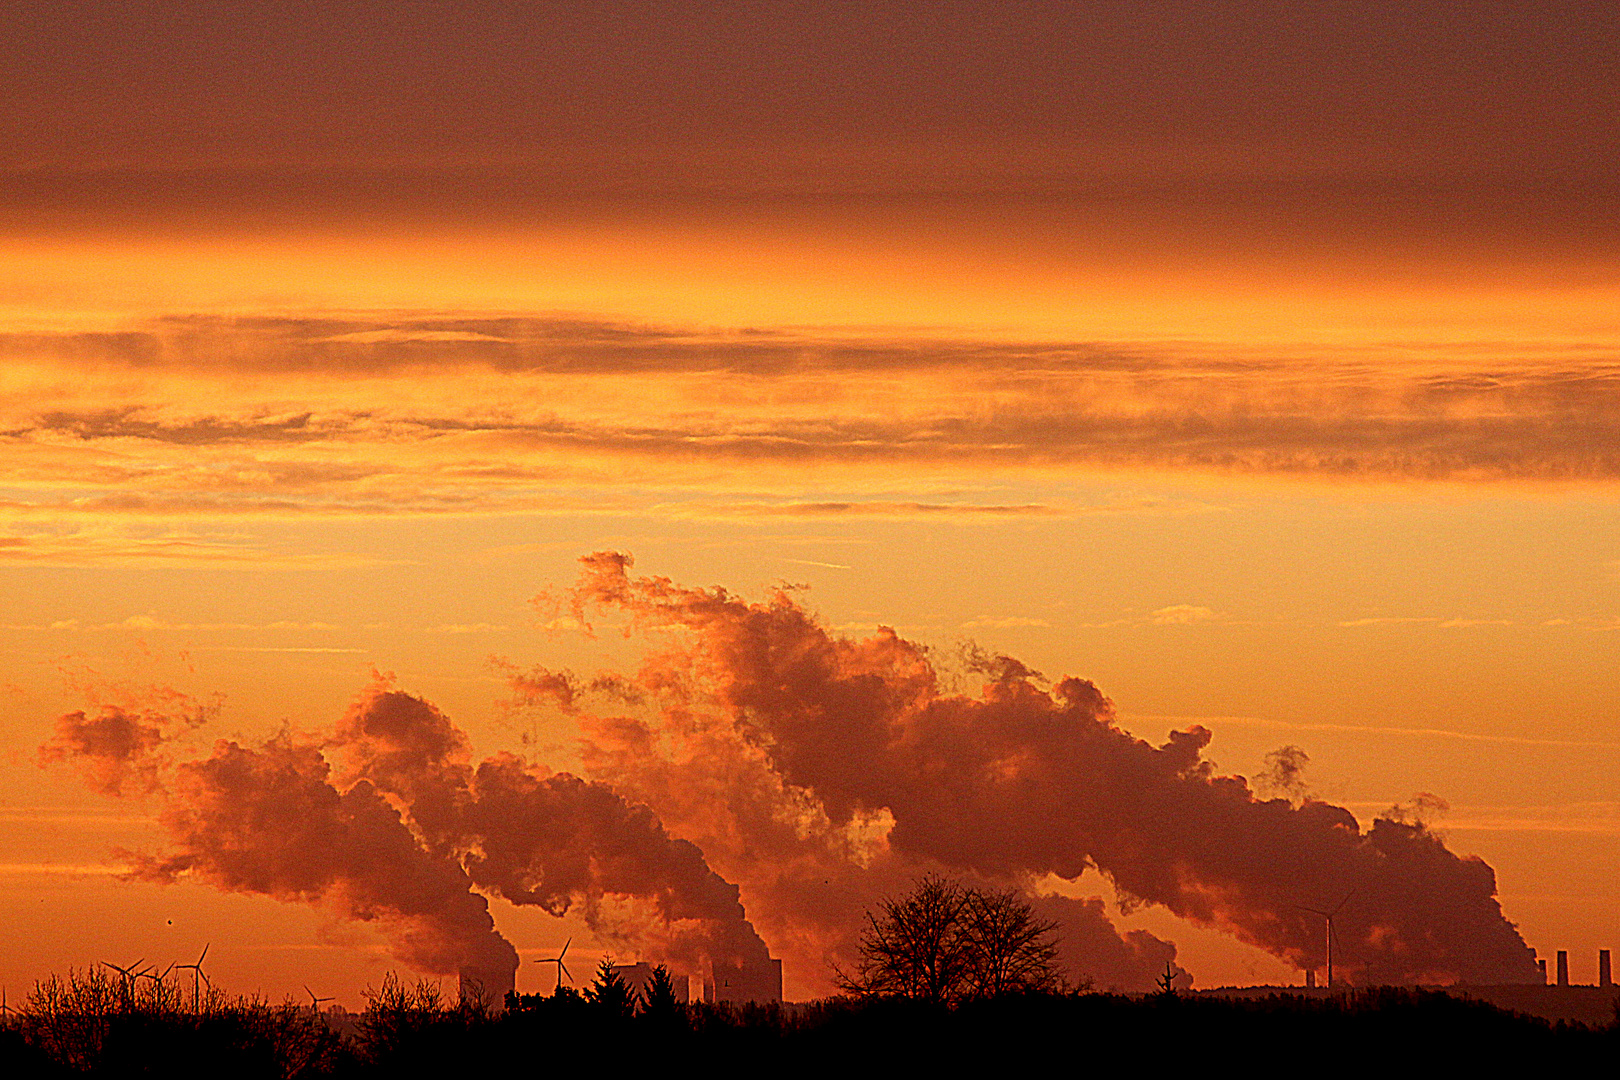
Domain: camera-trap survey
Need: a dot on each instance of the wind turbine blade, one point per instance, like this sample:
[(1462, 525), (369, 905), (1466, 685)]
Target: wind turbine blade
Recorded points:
[(204, 952), (564, 952)]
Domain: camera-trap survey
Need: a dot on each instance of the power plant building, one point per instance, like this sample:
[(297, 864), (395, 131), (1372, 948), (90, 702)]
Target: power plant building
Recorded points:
[(737, 984), (743, 983)]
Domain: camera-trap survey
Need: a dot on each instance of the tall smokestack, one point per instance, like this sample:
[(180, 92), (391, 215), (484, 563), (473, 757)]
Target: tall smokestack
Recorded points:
[(1604, 977), (1563, 967), (1542, 964)]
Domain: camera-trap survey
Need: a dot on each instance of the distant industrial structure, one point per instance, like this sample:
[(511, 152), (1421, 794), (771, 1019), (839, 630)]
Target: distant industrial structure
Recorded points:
[(1561, 977), (742, 983), (737, 984), (1605, 970), (1592, 1004)]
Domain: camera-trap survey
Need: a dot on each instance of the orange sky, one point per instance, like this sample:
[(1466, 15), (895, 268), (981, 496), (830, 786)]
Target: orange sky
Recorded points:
[(1258, 365)]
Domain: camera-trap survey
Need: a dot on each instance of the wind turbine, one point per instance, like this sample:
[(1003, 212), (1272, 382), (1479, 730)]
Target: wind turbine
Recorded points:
[(133, 971), (562, 968), (197, 973), (164, 996), (149, 973), (130, 974), (315, 1002), (1328, 915)]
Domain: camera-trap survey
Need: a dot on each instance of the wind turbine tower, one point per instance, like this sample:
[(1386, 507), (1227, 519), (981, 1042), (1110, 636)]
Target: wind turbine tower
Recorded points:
[(1328, 916), (562, 968), (196, 975)]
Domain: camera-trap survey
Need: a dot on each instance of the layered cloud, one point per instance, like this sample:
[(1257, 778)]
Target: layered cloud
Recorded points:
[(367, 415)]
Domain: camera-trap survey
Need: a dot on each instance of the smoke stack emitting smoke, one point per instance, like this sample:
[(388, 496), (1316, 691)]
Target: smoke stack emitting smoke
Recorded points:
[(816, 771)]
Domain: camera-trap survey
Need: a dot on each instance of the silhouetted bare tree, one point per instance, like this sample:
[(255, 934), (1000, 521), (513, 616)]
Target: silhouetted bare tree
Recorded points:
[(943, 943), (1008, 950), (1167, 981)]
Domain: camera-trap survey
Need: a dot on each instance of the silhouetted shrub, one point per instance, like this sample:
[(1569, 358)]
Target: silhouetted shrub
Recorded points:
[(88, 1028), (95, 1023)]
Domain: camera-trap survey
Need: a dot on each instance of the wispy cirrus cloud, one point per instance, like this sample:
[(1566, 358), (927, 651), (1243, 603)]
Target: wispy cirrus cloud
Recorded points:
[(45, 869), (150, 622), (1182, 615), (1445, 623), (1170, 615), (1393, 731), (1004, 622), (112, 548), (1590, 818), (870, 508)]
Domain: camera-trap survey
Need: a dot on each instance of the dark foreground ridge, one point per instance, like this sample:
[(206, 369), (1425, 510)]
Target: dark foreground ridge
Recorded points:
[(1366, 1032)]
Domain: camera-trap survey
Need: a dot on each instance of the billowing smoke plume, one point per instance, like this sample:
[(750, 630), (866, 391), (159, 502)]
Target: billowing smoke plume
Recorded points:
[(269, 820), (793, 755), (819, 773), (548, 840), (809, 879), (116, 750), (406, 832)]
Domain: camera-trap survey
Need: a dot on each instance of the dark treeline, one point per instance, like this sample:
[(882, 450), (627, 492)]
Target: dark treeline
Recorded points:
[(410, 1030)]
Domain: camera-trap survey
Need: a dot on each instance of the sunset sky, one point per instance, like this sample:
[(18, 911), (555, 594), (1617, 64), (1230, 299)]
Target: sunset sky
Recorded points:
[(1258, 362)]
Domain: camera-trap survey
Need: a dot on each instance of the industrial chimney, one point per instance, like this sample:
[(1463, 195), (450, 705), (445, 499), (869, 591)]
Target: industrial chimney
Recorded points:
[(1604, 977), (1542, 964), (1310, 978), (1563, 967)]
